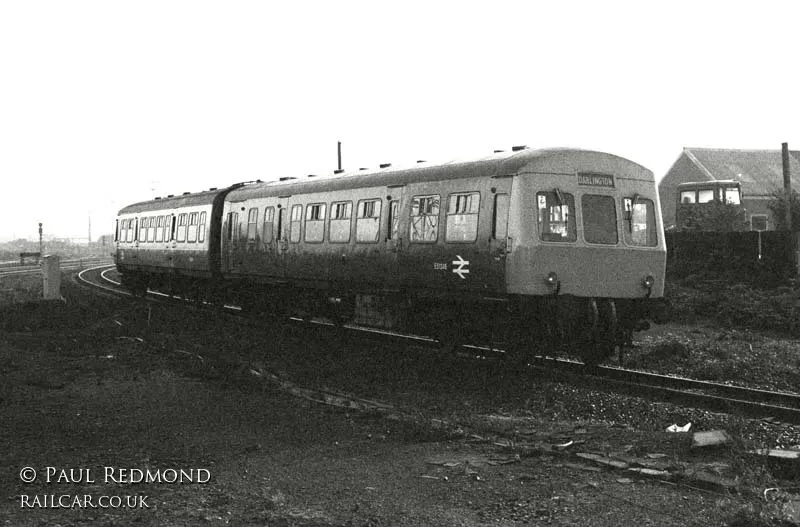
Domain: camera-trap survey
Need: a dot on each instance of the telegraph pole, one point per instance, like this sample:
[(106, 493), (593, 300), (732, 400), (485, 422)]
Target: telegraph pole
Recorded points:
[(41, 250), (791, 240)]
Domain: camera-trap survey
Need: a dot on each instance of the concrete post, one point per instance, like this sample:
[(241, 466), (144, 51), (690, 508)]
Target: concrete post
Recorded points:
[(51, 273)]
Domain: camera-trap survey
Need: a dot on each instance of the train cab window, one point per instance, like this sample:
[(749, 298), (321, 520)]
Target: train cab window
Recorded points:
[(599, 219), (368, 221), (556, 216), (424, 224), (201, 229), (640, 222), (252, 226), (732, 196), (191, 235), (296, 223), (462, 217), (181, 235), (393, 225), (705, 196), (339, 225), (315, 223), (688, 196), (159, 229), (500, 217), (269, 221)]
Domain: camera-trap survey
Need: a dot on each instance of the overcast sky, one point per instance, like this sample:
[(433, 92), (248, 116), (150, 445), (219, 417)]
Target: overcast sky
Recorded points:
[(107, 103)]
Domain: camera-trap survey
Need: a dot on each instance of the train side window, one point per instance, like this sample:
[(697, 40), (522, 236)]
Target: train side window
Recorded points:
[(688, 196), (151, 229), (159, 229), (705, 196), (339, 225), (181, 236), (556, 216), (424, 224), (297, 223), (500, 217), (252, 226), (640, 216), (599, 219), (269, 215), (201, 229), (315, 223), (191, 235), (368, 221), (462, 217), (393, 225)]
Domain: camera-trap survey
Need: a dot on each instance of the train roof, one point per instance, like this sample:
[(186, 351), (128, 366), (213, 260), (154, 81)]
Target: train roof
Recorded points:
[(497, 164), (709, 183)]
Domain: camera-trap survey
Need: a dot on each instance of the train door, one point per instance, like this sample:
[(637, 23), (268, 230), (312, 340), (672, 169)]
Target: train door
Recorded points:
[(393, 237), (282, 236), (499, 242), (232, 242)]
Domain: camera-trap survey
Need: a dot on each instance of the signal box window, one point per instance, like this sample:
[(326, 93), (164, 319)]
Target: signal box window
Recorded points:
[(339, 229), (181, 237), (252, 226), (599, 219), (368, 221), (315, 223), (640, 216), (556, 217), (269, 221), (705, 196), (758, 222), (688, 196), (201, 229), (192, 232), (732, 196), (424, 226), (462, 217), (297, 223)]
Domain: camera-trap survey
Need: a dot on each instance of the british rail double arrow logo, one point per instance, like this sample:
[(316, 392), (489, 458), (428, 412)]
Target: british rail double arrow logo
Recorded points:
[(462, 264)]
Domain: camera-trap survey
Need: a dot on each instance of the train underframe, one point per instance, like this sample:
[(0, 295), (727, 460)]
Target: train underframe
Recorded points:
[(591, 329)]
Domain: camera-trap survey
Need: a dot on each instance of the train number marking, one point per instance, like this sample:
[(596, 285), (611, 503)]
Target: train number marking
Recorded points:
[(462, 264), (439, 266)]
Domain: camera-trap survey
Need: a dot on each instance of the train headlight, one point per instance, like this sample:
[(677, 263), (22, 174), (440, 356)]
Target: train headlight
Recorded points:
[(552, 282), (648, 283)]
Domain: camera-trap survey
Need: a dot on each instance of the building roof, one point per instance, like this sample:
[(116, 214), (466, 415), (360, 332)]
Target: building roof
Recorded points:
[(759, 171)]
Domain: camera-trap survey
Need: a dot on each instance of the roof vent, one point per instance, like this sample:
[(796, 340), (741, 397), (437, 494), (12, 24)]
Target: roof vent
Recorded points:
[(518, 148), (213, 188), (498, 151), (421, 161), (170, 195), (363, 168), (312, 175), (158, 197), (286, 178), (185, 193), (385, 165), (338, 171)]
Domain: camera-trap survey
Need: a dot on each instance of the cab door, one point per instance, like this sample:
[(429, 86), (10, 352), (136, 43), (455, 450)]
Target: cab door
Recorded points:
[(282, 236), (500, 244)]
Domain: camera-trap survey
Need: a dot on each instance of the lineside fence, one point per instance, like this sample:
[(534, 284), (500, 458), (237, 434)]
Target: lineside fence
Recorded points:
[(749, 256)]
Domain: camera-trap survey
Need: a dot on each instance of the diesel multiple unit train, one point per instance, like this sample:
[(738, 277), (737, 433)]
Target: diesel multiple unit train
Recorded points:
[(528, 250)]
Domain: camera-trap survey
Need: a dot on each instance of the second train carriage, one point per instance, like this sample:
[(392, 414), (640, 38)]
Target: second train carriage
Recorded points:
[(531, 248)]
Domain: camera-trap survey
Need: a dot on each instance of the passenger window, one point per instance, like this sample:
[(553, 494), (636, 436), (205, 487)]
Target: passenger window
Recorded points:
[(462, 217), (556, 217), (599, 219), (192, 231), (500, 217), (640, 216), (339, 229), (297, 223), (160, 229), (424, 225), (201, 229), (181, 236), (393, 224), (368, 221), (315, 223), (252, 226), (269, 214)]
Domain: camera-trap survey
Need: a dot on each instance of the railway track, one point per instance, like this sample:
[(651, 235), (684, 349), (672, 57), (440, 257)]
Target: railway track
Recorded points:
[(754, 403), (66, 265)]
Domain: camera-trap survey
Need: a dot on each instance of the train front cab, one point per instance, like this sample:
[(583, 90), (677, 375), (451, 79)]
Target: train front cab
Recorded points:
[(588, 256)]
